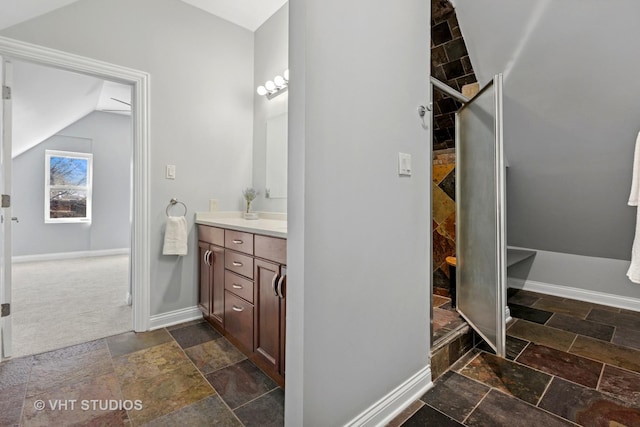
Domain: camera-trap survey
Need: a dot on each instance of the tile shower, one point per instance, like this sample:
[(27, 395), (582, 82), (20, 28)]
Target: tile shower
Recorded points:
[(450, 64)]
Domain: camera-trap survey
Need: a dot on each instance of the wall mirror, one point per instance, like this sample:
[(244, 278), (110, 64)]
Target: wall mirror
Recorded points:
[(276, 182)]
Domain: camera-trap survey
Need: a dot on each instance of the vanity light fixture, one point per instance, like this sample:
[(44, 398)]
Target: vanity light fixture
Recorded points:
[(275, 87)]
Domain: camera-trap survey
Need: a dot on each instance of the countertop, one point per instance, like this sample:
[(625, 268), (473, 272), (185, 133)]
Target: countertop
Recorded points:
[(269, 224)]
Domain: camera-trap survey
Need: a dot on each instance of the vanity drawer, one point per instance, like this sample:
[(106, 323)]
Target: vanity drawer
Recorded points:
[(238, 319), (239, 241), (238, 263), (239, 285), (211, 235), (271, 248)]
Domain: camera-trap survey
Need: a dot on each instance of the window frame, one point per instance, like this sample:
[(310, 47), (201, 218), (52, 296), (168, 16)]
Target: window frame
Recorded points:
[(88, 188)]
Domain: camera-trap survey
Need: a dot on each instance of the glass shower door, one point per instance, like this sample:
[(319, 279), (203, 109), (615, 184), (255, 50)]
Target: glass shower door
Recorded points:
[(480, 218)]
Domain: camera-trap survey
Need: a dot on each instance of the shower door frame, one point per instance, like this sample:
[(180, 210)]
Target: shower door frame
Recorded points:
[(478, 271)]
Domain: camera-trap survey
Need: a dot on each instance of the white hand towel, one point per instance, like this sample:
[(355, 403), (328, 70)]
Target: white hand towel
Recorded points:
[(175, 236), (634, 269)]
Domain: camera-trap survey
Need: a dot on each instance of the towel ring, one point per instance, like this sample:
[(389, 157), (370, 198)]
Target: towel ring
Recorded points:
[(174, 202)]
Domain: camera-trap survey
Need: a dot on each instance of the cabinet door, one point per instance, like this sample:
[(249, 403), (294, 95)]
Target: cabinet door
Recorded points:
[(267, 305), (204, 273), (217, 285)]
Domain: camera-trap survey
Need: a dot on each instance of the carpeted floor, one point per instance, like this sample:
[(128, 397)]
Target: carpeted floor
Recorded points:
[(66, 302)]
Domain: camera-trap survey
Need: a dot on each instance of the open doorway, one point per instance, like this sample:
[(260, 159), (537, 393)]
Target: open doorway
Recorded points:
[(140, 234), (72, 183)]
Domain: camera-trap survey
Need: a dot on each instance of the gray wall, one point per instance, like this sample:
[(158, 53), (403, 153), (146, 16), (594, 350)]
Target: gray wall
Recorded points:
[(108, 137), (271, 58), (201, 108), (571, 117), (358, 294)]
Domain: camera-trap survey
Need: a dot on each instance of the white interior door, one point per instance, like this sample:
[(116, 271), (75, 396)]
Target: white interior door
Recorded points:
[(480, 194), (5, 189)]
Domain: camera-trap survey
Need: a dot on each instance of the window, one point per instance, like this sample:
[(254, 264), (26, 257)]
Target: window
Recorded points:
[(67, 196)]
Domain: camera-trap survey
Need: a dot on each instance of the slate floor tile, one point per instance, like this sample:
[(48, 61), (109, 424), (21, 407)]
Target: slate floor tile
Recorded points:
[(194, 334), (571, 307), (135, 341), (72, 364), (455, 395), (621, 383), (214, 355), (513, 349), (627, 337), (566, 365), (427, 416), (100, 388), (609, 353), (166, 392), (406, 414), (621, 320), (521, 297), (240, 383), (498, 409), (150, 362), (512, 378), (540, 334), (582, 327), (531, 314), (586, 406), (265, 411), (206, 412)]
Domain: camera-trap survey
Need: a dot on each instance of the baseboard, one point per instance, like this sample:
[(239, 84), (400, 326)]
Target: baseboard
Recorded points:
[(579, 294), (69, 255), (174, 317), (391, 405)]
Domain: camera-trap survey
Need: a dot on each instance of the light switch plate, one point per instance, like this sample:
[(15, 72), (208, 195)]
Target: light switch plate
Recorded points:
[(404, 164), (171, 172)]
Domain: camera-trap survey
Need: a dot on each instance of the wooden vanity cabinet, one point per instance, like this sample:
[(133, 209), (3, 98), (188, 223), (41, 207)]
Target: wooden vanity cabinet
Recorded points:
[(247, 290), (211, 274), (270, 277)]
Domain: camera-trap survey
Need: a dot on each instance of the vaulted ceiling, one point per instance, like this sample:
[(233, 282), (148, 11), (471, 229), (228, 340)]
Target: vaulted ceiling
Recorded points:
[(46, 100), (249, 14), (571, 116)]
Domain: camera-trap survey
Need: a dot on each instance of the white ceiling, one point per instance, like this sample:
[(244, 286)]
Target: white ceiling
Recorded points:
[(47, 100), (16, 11), (249, 14)]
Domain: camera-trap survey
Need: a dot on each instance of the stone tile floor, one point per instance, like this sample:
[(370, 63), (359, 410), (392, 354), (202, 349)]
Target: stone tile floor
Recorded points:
[(183, 375), (445, 319), (568, 363)]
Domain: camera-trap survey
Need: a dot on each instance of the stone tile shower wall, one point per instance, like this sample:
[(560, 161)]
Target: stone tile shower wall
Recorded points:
[(444, 217), (450, 64)]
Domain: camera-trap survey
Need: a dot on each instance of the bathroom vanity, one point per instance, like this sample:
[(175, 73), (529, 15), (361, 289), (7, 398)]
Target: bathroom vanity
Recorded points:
[(243, 284)]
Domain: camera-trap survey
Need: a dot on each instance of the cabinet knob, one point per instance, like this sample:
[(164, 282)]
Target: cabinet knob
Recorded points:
[(237, 264), (236, 286), (238, 309), (237, 241)]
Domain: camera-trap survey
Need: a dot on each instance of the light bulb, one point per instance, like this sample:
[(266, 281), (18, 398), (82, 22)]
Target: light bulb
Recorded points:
[(271, 86), (262, 90), (279, 81), (286, 74)]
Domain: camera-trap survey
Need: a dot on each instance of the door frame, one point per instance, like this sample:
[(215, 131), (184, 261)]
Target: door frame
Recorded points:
[(140, 103)]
